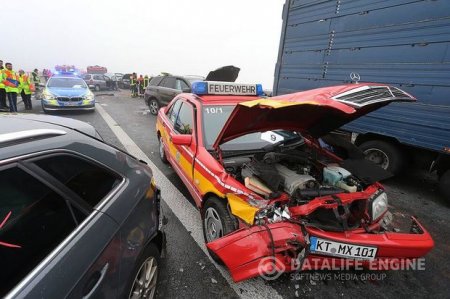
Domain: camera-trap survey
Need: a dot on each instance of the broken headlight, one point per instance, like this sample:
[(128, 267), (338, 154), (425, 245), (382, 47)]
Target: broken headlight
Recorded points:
[(274, 213), (378, 205)]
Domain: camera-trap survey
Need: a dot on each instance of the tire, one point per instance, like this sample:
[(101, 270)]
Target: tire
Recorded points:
[(218, 208), (162, 152), (217, 219), (97, 87), (153, 105), (444, 185), (384, 154), (149, 256)]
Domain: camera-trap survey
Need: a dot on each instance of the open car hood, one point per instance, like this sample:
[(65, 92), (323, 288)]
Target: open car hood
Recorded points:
[(314, 112), (224, 74)]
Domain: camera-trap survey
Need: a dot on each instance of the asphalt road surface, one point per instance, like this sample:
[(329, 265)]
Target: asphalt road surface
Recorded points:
[(187, 270)]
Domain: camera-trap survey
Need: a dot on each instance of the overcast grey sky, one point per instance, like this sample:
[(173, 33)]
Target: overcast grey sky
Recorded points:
[(146, 36)]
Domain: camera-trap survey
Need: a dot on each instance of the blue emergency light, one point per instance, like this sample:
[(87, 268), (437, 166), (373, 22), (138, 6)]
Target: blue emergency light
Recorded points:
[(226, 88)]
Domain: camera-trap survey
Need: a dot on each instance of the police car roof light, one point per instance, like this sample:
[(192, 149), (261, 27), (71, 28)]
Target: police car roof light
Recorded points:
[(226, 88)]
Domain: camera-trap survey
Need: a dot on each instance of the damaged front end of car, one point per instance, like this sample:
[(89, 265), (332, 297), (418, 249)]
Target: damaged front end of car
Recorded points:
[(308, 206)]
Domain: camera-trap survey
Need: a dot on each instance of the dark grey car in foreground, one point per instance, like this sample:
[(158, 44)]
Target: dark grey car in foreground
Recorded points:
[(78, 218)]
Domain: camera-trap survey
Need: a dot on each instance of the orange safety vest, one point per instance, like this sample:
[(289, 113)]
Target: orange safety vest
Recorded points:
[(25, 85), (11, 81)]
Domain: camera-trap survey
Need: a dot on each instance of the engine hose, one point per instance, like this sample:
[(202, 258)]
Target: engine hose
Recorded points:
[(272, 244)]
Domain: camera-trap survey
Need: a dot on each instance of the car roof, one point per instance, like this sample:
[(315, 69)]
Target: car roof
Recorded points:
[(23, 134)]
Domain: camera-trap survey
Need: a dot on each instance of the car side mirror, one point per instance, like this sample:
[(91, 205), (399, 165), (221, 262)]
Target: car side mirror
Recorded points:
[(181, 139), (186, 90)]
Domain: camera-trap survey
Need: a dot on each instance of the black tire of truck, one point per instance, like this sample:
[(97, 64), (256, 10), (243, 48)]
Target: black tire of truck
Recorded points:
[(444, 185), (216, 217), (391, 156)]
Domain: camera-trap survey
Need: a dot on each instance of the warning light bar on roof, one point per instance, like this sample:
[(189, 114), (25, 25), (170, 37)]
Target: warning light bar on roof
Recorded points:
[(226, 88)]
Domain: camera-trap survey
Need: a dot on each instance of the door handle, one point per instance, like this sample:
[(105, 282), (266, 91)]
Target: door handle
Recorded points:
[(96, 279)]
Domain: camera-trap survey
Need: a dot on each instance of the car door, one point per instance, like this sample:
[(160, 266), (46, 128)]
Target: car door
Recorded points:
[(83, 262), (179, 139), (99, 80), (167, 90)]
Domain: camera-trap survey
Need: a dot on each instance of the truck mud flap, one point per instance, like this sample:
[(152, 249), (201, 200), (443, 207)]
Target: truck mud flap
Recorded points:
[(260, 250)]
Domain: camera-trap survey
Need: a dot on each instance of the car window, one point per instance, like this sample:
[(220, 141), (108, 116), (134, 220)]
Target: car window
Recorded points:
[(34, 220), (180, 85), (98, 77), (87, 77), (173, 111), (90, 181), (155, 81), (185, 119), (168, 82)]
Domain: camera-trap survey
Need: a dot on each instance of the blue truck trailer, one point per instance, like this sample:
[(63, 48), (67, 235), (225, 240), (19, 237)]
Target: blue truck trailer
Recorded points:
[(404, 43)]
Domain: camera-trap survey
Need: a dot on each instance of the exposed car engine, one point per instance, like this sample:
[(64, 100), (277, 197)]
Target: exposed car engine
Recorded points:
[(293, 172)]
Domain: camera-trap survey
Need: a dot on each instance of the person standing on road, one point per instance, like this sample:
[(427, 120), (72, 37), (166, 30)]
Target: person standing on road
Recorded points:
[(35, 79), (141, 85), (11, 81), (25, 89), (146, 80), (133, 85), (2, 88)]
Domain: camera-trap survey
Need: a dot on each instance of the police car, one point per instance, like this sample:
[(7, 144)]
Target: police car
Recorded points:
[(271, 193), (66, 91)]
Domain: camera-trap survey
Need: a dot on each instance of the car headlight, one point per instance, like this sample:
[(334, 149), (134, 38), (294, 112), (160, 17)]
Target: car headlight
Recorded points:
[(379, 205), (47, 95), (90, 97)]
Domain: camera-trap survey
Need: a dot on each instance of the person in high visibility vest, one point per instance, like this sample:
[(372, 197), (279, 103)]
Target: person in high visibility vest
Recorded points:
[(133, 85), (140, 81), (11, 81), (145, 84), (2, 88), (146, 80), (35, 79), (25, 89)]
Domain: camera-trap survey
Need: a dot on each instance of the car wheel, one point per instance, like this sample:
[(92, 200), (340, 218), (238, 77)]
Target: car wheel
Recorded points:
[(384, 154), (153, 106), (444, 185), (162, 152), (217, 220), (97, 87), (144, 277)]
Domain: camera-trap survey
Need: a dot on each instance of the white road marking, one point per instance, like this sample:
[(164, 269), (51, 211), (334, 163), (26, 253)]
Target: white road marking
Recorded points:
[(188, 215)]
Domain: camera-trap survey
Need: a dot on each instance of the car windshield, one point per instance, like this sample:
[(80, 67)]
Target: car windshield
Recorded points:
[(66, 83), (214, 118)]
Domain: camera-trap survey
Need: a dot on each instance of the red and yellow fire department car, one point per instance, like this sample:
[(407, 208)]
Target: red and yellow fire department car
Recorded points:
[(274, 188)]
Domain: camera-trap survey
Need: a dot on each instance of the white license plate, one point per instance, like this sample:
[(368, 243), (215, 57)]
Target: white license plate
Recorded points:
[(327, 247), (71, 104)]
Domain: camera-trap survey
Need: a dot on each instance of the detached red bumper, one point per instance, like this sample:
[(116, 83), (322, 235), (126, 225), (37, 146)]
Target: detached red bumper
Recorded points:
[(248, 252)]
